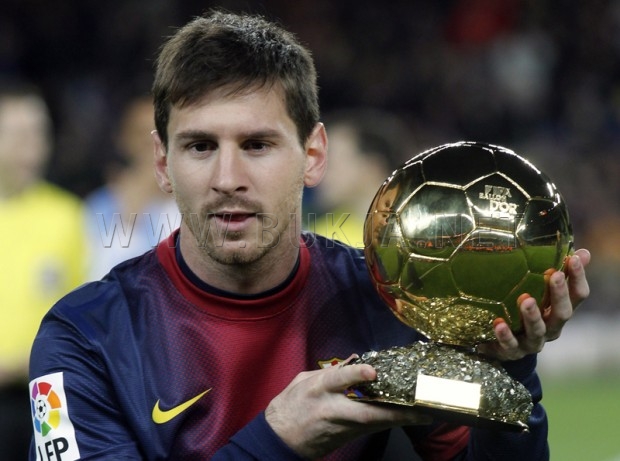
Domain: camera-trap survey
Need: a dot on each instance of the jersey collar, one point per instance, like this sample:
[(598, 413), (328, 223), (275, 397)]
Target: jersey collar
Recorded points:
[(233, 307)]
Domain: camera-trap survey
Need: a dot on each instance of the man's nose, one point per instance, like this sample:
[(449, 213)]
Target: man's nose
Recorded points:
[(229, 175)]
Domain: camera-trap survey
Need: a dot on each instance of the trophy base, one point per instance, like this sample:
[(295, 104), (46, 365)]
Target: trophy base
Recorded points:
[(448, 383)]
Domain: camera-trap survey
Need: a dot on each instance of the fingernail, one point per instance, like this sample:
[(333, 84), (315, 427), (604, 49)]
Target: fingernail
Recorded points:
[(529, 305)]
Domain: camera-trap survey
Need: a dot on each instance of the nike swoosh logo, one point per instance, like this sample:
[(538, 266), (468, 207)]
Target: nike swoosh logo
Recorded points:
[(163, 416)]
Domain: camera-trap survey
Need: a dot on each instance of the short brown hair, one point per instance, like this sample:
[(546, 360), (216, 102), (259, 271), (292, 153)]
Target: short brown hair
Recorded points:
[(237, 51)]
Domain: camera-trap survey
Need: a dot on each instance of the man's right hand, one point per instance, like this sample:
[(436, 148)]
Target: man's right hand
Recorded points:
[(313, 416)]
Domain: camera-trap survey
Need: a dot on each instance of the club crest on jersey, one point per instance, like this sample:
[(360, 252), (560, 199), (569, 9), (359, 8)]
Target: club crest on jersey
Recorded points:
[(330, 362), (54, 435)]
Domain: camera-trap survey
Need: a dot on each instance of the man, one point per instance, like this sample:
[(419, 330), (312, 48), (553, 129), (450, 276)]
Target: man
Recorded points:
[(217, 344), (42, 247)]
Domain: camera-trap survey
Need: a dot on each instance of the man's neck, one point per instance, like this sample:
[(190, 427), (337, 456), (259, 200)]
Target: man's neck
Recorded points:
[(256, 277)]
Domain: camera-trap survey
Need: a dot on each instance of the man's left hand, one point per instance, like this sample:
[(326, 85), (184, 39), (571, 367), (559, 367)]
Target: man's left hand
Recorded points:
[(566, 292)]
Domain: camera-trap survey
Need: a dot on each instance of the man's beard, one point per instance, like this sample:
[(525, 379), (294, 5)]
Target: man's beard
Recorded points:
[(217, 242), (246, 252)]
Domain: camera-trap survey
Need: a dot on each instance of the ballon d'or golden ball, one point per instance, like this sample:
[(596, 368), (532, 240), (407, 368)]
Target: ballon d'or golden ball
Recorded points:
[(458, 233)]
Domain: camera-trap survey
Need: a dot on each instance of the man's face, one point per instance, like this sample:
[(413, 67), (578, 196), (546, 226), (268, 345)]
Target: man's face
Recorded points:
[(237, 170)]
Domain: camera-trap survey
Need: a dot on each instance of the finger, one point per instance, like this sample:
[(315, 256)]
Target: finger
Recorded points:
[(506, 346), (512, 347), (304, 375), (534, 326), (351, 358), (504, 334), (584, 255), (531, 340), (561, 305), (577, 283), (337, 379)]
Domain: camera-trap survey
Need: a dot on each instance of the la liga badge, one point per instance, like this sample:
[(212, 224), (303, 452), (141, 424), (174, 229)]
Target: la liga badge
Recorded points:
[(54, 435)]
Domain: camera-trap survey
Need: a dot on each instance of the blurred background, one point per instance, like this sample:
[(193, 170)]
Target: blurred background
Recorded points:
[(539, 76)]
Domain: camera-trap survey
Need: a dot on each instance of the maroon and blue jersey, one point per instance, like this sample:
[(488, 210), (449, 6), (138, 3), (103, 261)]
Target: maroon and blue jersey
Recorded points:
[(150, 363)]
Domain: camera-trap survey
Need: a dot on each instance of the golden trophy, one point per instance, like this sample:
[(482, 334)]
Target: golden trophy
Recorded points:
[(452, 239)]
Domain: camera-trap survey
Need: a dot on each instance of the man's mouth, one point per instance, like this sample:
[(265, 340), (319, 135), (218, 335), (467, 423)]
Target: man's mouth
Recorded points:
[(233, 217), (234, 221)]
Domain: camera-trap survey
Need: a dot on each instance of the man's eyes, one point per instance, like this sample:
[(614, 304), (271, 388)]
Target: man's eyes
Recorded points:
[(256, 145), (202, 146)]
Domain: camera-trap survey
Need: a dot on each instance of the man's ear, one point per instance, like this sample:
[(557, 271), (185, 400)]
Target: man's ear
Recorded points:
[(316, 153), (161, 163)]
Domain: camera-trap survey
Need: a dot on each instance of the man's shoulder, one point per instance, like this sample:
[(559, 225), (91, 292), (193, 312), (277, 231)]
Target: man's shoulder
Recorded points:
[(330, 246), (114, 289), (335, 256)]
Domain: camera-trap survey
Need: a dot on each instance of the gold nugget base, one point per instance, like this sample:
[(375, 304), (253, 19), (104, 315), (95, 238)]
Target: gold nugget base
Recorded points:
[(449, 383)]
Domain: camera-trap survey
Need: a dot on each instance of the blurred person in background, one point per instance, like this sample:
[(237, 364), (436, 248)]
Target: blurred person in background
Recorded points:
[(41, 246), (365, 145), (129, 214)]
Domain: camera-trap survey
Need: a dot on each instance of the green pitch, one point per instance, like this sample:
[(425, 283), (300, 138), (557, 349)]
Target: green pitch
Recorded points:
[(584, 417)]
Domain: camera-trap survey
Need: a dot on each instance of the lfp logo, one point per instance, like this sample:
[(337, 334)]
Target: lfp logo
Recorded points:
[(46, 406), (54, 435)]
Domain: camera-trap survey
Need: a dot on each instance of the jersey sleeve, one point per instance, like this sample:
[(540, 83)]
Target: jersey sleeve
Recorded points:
[(75, 413), (256, 441)]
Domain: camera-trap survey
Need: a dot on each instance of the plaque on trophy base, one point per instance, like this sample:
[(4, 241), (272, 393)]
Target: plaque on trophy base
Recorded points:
[(448, 383)]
